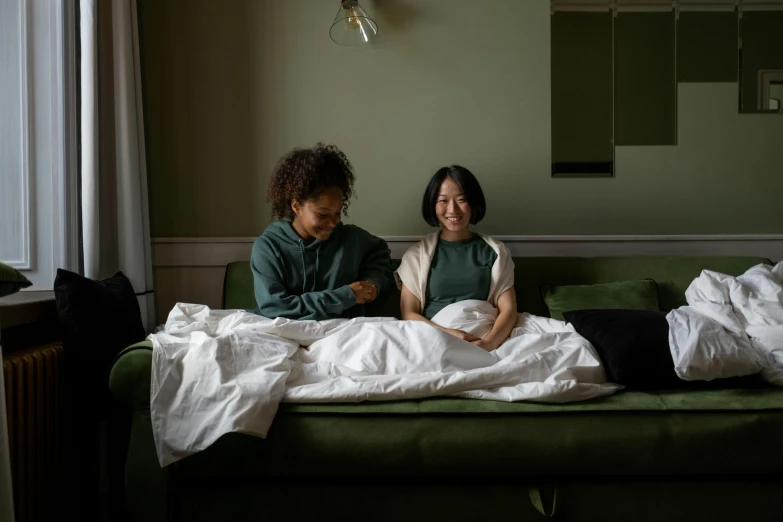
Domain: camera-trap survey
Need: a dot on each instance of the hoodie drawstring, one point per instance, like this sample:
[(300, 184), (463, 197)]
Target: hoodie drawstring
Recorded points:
[(304, 267), (315, 275)]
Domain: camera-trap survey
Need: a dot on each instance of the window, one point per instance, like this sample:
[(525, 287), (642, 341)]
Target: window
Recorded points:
[(37, 137)]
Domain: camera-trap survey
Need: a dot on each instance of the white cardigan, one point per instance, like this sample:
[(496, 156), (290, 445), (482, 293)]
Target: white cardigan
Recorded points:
[(415, 268)]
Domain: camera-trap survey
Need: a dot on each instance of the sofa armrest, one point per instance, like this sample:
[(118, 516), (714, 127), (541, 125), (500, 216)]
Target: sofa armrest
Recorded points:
[(129, 380), (146, 483)]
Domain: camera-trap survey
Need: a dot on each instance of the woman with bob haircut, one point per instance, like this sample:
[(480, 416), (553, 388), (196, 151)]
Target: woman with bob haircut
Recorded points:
[(456, 264)]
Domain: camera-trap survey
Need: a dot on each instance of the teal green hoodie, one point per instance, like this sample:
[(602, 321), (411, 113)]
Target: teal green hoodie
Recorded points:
[(299, 281)]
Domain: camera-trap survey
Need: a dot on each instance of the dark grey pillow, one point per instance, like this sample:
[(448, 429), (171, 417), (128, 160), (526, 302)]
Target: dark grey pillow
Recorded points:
[(97, 319)]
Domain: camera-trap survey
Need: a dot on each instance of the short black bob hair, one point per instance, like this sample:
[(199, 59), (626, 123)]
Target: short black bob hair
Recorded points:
[(470, 188)]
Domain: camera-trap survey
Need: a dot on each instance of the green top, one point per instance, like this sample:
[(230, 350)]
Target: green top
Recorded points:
[(460, 270), (310, 281)]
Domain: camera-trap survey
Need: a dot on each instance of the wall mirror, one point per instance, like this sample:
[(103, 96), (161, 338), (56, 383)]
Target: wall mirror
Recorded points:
[(761, 57), (616, 66)]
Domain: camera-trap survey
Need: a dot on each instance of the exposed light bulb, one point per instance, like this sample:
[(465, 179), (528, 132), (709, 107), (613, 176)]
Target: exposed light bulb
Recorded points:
[(353, 18), (352, 25)]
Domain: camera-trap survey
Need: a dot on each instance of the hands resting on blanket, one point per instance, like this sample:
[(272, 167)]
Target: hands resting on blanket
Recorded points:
[(503, 318), (459, 334), (469, 337), (486, 344)]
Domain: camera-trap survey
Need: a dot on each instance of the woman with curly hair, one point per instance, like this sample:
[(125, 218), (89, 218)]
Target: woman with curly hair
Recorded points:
[(308, 264)]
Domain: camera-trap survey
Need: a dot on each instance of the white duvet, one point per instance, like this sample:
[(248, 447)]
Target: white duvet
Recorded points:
[(732, 326), (221, 371)]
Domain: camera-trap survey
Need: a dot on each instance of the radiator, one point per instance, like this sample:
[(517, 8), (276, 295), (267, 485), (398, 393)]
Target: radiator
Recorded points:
[(34, 400)]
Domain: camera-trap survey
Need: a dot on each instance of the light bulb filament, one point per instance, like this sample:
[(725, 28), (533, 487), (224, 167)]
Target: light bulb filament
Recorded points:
[(353, 18)]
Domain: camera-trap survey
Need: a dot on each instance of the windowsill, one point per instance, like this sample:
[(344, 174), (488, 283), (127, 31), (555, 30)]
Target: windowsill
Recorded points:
[(27, 307)]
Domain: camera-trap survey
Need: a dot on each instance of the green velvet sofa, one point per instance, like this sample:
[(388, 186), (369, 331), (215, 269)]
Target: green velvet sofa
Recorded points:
[(670, 455)]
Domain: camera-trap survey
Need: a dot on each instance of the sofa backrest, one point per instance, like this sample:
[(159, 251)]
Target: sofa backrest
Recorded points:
[(672, 274)]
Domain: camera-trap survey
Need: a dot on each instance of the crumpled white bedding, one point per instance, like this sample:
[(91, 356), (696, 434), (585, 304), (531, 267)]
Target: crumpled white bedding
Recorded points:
[(732, 326), (221, 371)]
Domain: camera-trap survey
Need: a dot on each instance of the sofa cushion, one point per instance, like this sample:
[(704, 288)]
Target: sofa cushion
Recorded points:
[(672, 274), (725, 432), (11, 280), (625, 295)]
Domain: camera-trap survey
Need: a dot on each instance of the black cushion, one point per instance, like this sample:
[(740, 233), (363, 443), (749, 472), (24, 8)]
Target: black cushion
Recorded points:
[(633, 345), (97, 320), (634, 348)]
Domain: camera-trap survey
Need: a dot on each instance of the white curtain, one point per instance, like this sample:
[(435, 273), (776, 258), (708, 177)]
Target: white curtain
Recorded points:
[(115, 208)]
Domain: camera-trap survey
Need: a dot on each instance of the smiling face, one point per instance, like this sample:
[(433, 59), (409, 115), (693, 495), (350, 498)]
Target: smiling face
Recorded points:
[(453, 211), (316, 218)]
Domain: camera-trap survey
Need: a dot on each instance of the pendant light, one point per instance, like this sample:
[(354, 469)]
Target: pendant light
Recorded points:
[(352, 25)]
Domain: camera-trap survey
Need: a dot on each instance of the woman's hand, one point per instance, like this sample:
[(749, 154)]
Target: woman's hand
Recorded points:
[(459, 334), (365, 291), (374, 293), (507, 317), (485, 345), (410, 306)]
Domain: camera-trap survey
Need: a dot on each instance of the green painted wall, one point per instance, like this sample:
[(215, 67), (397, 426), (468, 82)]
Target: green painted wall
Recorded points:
[(231, 86)]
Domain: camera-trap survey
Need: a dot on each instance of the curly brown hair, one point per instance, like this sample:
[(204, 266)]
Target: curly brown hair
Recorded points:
[(304, 174)]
